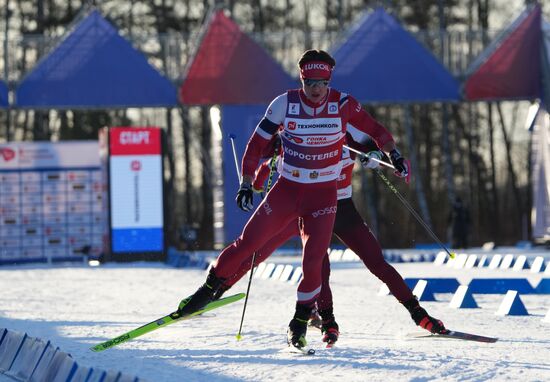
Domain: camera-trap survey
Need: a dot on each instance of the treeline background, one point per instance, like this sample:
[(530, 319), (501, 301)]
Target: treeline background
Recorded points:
[(476, 150)]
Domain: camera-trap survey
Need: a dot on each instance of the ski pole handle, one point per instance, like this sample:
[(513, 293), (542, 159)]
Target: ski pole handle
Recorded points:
[(383, 163)]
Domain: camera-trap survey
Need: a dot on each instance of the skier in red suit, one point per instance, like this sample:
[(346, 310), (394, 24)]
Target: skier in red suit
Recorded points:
[(313, 122), (350, 228)]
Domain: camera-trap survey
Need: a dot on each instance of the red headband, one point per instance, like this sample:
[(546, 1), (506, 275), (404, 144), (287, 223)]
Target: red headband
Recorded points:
[(316, 69)]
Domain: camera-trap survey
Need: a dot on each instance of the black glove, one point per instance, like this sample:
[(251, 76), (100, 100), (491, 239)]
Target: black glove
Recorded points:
[(401, 165), (245, 196)]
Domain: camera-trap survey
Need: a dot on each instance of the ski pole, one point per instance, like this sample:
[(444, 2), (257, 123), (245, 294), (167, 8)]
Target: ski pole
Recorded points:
[(232, 138), (404, 201), (271, 171), (383, 163)]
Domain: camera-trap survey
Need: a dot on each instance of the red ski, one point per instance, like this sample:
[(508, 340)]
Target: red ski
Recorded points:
[(455, 335)]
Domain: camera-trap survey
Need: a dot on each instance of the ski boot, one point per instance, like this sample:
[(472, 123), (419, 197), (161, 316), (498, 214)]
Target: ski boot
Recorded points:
[(219, 293), (422, 318), (202, 296), (297, 328), (329, 327)]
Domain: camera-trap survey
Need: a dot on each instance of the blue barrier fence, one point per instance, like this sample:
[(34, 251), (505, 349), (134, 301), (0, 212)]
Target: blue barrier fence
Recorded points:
[(26, 358)]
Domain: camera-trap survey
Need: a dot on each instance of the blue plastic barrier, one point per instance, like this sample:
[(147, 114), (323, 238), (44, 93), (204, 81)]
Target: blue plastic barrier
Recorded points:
[(500, 286), (9, 348), (463, 299), (430, 257), (43, 363), (97, 376), (543, 286), (26, 358), (512, 305), (3, 333), (82, 374), (112, 376), (32, 351), (423, 291), (55, 366), (66, 370), (437, 285)]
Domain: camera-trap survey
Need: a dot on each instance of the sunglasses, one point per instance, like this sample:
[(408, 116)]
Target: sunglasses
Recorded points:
[(309, 82)]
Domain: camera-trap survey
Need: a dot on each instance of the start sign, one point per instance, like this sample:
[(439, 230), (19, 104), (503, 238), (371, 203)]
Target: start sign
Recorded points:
[(136, 190)]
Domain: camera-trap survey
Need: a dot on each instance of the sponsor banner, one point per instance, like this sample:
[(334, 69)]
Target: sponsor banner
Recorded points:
[(44, 155), (45, 190)]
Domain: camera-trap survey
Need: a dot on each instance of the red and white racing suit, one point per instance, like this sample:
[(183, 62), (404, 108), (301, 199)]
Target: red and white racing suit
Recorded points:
[(312, 137), (350, 229)]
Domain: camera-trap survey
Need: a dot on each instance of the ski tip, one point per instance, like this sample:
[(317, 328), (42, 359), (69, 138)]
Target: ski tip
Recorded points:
[(300, 350)]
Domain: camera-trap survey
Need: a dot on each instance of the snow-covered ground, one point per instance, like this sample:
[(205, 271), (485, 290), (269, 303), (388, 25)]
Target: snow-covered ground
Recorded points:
[(76, 307)]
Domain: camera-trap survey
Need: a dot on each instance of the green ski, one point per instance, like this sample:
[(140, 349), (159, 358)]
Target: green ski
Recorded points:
[(163, 321)]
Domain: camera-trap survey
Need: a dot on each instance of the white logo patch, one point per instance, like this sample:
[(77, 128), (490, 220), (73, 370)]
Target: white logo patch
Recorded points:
[(333, 107), (293, 108)]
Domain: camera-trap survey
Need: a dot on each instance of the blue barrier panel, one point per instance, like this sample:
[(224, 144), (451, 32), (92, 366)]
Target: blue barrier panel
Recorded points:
[(423, 291), (9, 348), (287, 272), (512, 305), (268, 271), (3, 335), (112, 376), (500, 286), (437, 285), (55, 365), (97, 376), (543, 287), (82, 374), (127, 378), (28, 358), (41, 369), (65, 370), (429, 257), (463, 299)]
